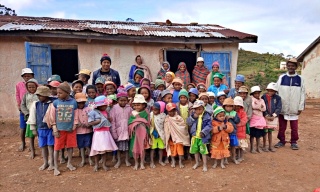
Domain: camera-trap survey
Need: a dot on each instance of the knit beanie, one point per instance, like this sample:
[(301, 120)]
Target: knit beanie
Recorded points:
[(159, 82), (156, 105), (217, 111), (139, 72), (65, 87), (183, 92), (122, 94), (105, 57), (129, 86)]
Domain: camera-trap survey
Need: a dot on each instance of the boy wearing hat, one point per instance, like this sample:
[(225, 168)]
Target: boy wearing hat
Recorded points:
[(99, 84), (21, 90), (200, 127), (177, 86), (37, 113), (205, 98), (291, 89), (62, 118), (274, 106), (53, 86), (54, 78), (193, 95), (84, 76), (200, 72), (238, 82), (217, 85)]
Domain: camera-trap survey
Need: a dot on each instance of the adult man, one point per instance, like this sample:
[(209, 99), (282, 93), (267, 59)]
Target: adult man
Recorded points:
[(292, 92)]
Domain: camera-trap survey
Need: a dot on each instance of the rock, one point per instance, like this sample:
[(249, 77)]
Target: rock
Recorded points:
[(187, 177)]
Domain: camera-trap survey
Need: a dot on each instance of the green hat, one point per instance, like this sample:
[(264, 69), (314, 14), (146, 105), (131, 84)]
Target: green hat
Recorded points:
[(159, 82), (183, 92), (217, 111), (112, 97), (139, 72), (218, 75)]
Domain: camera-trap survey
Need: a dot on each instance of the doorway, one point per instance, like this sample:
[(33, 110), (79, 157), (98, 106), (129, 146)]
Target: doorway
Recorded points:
[(65, 63), (174, 57)]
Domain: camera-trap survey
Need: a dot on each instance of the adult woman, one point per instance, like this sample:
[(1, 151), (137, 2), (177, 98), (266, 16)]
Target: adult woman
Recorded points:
[(215, 70), (200, 72), (139, 65)]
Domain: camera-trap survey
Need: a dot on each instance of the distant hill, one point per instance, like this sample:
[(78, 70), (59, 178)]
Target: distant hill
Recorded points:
[(260, 68)]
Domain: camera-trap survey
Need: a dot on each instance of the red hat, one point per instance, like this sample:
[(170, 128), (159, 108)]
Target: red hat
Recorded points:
[(216, 63), (54, 83), (109, 83), (171, 106)]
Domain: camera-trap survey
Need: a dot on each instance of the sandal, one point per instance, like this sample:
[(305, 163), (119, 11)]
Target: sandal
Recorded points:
[(278, 145)]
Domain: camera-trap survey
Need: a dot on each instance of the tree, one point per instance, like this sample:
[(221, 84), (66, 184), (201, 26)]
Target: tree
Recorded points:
[(129, 20), (7, 11)]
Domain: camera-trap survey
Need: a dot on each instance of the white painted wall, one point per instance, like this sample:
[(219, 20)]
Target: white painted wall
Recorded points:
[(311, 72)]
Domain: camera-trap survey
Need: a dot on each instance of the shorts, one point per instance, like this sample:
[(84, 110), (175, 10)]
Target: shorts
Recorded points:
[(29, 133), (268, 130), (257, 133), (84, 140), (157, 143), (67, 139), (23, 123), (45, 137), (176, 148), (197, 146)]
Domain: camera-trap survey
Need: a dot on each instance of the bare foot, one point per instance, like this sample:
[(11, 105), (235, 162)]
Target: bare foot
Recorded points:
[(215, 165), (173, 164), (240, 159), (43, 167), (95, 168), (236, 162), (265, 149), (181, 165), (32, 155), (253, 151), (162, 163), (100, 161), (56, 172), (71, 167), (258, 150), (222, 166), (22, 147), (195, 166), (142, 167), (226, 161), (117, 165), (166, 161), (63, 161), (114, 159), (272, 150), (136, 166), (105, 167), (205, 168), (50, 168), (81, 164), (152, 165), (91, 162), (128, 164), (189, 157)]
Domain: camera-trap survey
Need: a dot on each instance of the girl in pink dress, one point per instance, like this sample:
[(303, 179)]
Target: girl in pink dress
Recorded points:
[(257, 122), (102, 141)]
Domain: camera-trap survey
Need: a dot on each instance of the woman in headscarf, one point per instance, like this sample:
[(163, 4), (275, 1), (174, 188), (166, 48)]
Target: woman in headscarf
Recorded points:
[(183, 73), (215, 70), (139, 65), (165, 67)]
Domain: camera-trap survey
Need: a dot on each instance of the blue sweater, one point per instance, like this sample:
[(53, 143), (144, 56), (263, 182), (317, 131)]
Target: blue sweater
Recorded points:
[(206, 126), (41, 109), (276, 105), (113, 74)]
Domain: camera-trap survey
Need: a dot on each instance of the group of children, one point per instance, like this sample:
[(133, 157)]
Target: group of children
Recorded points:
[(169, 119)]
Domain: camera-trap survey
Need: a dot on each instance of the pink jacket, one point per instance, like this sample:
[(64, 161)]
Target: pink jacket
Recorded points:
[(20, 91), (119, 121), (258, 106)]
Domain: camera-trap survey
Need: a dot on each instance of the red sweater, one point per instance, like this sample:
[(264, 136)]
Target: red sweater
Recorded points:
[(241, 127)]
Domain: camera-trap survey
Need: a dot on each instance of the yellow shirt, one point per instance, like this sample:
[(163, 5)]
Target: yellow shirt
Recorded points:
[(184, 112), (199, 126)]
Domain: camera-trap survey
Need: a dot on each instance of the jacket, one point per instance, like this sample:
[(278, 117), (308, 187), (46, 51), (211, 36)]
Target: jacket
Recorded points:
[(241, 126), (247, 105), (206, 126), (234, 121), (291, 89), (220, 136), (276, 105), (37, 112), (113, 73), (119, 123)]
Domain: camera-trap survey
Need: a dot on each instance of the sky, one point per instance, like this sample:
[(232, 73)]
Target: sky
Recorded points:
[(282, 26)]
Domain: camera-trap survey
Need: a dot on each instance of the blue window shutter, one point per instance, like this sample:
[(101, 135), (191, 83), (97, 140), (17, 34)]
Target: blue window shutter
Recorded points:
[(224, 59), (38, 58)]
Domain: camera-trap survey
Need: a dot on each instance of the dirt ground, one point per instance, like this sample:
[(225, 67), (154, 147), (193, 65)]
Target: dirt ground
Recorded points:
[(284, 170)]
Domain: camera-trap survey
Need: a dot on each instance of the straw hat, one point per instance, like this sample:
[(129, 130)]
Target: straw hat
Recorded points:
[(243, 89), (198, 103), (85, 72), (43, 91), (139, 99), (228, 101), (203, 94), (238, 101), (80, 97)]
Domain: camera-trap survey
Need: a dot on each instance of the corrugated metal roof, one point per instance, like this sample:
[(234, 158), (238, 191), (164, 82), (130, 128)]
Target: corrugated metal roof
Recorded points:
[(159, 29)]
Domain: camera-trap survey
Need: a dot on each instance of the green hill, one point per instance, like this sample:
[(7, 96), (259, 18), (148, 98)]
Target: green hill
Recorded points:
[(259, 68)]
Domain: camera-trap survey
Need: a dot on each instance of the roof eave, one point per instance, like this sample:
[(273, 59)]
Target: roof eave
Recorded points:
[(308, 49)]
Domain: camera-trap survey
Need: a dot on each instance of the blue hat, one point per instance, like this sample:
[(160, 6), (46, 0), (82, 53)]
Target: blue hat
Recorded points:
[(100, 80), (164, 93), (240, 78), (129, 86), (194, 91)]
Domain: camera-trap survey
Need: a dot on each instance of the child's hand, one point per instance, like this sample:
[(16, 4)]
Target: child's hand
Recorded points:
[(56, 134), (110, 119), (74, 127), (34, 132), (195, 115), (202, 135), (224, 127), (262, 106)]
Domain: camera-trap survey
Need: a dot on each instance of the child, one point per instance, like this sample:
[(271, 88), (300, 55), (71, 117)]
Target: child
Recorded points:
[(169, 78), (45, 138), (157, 117), (146, 92), (176, 134), (110, 88), (241, 128), (166, 96), (233, 118), (205, 98), (131, 91), (84, 130), (165, 67), (138, 75), (217, 86), (84, 76), (77, 87), (139, 131), (190, 85), (152, 86), (247, 105), (239, 81), (220, 137), (200, 123), (99, 83), (193, 95), (221, 96), (53, 85), (62, 115), (257, 122), (92, 93), (54, 78), (102, 141), (177, 86), (215, 70), (183, 73), (26, 102), (120, 114), (145, 81), (212, 98), (201, 88), (21, 90), (273, 109), (160, 85)]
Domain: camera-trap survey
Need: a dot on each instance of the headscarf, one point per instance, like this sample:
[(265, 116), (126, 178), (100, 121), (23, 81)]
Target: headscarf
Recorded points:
[(184, 76), (162, 72), (213, 73), (145, 69)]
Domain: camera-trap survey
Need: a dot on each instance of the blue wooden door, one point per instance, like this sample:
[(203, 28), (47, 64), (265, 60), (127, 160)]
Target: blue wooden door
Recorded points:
[(38, 57), (224, 59)]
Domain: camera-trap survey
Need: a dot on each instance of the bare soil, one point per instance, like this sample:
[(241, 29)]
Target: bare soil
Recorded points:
[(284, 170)]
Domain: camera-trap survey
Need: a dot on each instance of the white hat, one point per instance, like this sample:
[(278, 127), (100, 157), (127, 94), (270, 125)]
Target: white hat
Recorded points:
[(255, 89), (26, 70), (139, 99), (211, 94), (200, 59), (221, 93), (272, 86), (238, 101), (198, 103)]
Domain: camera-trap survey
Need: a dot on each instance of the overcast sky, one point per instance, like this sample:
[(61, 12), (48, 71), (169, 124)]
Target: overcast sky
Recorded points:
[(282, 26)]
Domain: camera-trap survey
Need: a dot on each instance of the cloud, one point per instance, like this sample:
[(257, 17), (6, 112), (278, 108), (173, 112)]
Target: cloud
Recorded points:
[(19, 5)]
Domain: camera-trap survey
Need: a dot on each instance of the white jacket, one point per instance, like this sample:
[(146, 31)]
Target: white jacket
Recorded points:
[(292, 92)]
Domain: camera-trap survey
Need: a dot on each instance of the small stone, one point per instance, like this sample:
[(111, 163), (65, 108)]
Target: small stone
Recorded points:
[(187, 177)]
